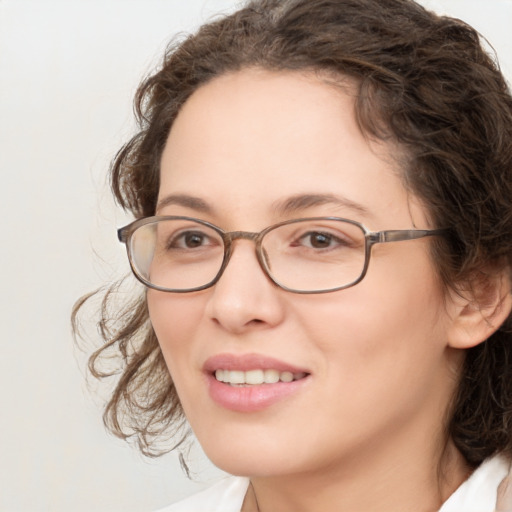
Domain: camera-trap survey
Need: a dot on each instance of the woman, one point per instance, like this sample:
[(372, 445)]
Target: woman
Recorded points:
[(323, 198)]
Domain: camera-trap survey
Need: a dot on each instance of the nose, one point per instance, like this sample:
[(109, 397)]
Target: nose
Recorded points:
[(245, 298)]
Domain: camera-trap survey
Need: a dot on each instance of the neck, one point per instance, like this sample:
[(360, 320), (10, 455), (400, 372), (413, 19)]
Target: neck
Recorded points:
[(391, 484)]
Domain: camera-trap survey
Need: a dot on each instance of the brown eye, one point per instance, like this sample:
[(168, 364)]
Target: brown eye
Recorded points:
[(189, 240), (192, 240), (319, 240)]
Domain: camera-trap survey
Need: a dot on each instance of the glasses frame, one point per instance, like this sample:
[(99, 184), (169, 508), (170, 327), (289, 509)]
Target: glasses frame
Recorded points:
[(372, 238)]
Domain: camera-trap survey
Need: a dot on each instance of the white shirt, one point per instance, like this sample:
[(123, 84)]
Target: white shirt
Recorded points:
[(477, 494)]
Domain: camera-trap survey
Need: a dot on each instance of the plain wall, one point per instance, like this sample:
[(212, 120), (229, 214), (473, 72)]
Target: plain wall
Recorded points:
[(68, 71)]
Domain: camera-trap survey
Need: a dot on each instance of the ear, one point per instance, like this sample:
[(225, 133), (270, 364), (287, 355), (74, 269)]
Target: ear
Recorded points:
[(480, 310)]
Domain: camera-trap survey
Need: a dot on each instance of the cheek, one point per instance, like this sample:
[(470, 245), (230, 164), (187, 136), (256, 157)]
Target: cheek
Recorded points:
[(385, 327), (175, 318)]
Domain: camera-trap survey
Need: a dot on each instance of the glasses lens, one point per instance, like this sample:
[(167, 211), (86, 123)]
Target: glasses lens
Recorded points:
[(176, 254), (315, 255)]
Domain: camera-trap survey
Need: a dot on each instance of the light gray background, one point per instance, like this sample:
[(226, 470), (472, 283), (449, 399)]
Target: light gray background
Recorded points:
[(68, 71)]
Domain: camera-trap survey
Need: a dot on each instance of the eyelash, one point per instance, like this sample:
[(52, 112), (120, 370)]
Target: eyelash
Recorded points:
[(331, 238)]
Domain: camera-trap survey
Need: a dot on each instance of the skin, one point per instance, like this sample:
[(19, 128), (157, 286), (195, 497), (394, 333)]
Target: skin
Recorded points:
[(366, 432)]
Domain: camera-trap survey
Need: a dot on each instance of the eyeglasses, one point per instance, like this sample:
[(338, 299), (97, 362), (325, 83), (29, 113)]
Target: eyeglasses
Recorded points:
[(311, 255)]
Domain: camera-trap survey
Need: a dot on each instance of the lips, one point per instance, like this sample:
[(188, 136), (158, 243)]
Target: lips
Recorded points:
[(251, 382)]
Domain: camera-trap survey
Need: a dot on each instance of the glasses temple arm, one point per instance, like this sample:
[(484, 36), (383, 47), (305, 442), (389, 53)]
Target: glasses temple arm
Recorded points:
[(122, 235), (397, 235)]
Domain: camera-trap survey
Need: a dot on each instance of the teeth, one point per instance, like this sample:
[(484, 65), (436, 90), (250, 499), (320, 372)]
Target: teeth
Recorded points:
[(271, 376), (286, 376), (255, 377), (237, 377)]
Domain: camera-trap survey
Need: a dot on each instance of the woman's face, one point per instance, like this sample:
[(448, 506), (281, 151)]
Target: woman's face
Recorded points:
[(375, 373)]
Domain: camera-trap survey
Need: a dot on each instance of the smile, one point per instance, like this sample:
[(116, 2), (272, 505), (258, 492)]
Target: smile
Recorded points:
[(256, 377), (248, 383)]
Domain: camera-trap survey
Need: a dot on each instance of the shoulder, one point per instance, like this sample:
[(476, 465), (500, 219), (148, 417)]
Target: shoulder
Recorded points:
[(225, 496), (479, 493)]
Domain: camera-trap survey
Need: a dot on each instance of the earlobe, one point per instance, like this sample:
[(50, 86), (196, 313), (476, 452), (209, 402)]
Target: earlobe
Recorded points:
[(479, 311)]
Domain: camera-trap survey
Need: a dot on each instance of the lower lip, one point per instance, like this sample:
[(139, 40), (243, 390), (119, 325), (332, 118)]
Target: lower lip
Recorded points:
[(251, 398)]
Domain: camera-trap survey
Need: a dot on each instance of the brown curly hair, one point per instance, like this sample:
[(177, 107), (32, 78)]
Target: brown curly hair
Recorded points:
[(424, 82)]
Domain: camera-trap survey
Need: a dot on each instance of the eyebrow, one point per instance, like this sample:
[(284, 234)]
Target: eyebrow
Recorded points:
[(301, 202), (288, 206), (194, 203)]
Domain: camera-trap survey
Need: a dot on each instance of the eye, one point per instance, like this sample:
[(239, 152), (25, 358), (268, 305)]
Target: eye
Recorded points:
[(321, 240), (190, 240), (317, 240)]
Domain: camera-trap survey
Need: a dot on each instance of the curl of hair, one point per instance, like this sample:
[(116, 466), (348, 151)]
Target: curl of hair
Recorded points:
[(425, 82)]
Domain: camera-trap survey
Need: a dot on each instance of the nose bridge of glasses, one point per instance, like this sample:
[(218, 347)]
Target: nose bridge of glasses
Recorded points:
[(240, 235), (232, 236)]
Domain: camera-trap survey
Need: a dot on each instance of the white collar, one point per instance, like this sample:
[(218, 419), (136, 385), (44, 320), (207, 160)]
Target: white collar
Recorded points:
[(478, 493)]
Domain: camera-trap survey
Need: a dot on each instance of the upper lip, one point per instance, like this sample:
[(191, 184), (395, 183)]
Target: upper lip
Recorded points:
[(246, 362)]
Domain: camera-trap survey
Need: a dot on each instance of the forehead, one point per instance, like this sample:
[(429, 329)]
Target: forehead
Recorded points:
[(254, 108), (252, 138)]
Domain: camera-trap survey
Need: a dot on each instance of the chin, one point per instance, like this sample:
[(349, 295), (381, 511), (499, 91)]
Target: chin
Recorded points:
[(249, 462)]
